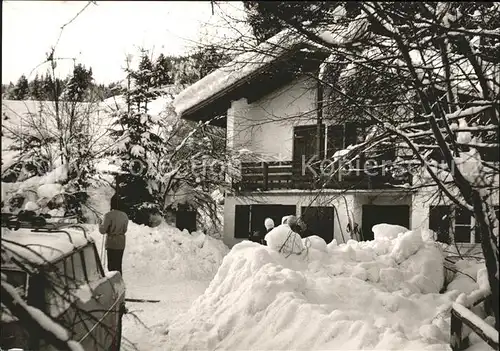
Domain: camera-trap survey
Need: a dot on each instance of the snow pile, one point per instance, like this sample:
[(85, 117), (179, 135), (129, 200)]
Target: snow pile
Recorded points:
[(164, 252), (471, 280), (387, 231), (283, 239), (380, 294)]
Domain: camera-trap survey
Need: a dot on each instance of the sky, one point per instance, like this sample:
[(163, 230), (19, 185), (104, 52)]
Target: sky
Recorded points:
[(104, 33)]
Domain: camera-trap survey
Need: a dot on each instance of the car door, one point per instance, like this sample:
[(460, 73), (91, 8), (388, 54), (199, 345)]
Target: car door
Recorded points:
[(69, 299), (79, 298), (102, 305)]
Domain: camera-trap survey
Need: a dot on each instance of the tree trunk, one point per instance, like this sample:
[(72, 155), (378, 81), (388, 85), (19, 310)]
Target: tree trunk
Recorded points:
[(319, 118), (489, 246)]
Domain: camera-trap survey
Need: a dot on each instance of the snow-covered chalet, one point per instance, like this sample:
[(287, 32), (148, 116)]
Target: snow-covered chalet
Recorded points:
[(270, 103)]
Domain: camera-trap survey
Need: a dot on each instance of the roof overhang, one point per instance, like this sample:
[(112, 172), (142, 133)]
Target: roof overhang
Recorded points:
[(298, 60)]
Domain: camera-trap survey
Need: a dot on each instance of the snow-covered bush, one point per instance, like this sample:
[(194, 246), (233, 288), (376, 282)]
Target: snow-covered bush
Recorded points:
[(46, 138)]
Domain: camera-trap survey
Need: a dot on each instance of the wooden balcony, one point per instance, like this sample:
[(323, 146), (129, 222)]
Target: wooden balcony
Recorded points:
[(264, 176)]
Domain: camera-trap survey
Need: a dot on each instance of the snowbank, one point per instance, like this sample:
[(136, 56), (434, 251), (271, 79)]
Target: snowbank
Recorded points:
[(283, 239), (381, 294), (165, 252)]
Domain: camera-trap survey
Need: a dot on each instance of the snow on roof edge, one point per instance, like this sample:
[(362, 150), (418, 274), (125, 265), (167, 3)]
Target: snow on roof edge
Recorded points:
[(242, 66), (239, 68)]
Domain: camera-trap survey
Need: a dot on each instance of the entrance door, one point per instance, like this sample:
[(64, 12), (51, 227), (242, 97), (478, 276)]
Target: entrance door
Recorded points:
[(375, 214), (319, 221), (186, 219)]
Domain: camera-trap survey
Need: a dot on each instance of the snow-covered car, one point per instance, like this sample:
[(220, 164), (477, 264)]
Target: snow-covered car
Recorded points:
[(56, 272)]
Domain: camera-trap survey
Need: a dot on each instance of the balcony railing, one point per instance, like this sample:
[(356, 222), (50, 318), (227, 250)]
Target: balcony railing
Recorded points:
[(293, 175)]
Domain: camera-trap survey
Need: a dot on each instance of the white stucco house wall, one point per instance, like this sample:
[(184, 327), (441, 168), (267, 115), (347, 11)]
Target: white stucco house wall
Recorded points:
[(264, 109)]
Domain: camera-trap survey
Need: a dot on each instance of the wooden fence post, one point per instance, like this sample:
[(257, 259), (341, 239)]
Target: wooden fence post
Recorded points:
[(456, 332), (265, 173)]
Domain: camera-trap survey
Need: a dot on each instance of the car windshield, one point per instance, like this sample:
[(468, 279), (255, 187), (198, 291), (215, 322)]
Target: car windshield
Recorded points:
[(18, 279)]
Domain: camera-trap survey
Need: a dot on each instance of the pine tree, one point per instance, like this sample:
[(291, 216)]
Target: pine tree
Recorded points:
[(21, 90), (137, 144), (36, 89), (9, 91), (163, 70), (48, 87), (79, 84), (143, 90), (51, 88)]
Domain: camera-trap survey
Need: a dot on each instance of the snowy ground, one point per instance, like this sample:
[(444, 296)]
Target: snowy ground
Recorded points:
[(383, 294), (163, 264), (176, 298)]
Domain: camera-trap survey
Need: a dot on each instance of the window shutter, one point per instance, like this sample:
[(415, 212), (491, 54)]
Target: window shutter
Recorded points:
[(440, 222), (242, 221)]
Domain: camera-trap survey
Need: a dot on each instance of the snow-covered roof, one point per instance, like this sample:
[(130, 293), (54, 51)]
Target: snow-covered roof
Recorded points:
[(254, 60), (41, 247), (241, 67)]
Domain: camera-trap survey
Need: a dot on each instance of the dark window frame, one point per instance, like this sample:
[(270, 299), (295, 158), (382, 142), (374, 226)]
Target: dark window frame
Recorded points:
[(456, 214), (244, 224), (334, 137)]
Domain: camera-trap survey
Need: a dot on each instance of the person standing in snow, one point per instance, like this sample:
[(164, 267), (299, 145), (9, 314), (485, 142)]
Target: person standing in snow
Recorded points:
[(115, 225), (269, 224)]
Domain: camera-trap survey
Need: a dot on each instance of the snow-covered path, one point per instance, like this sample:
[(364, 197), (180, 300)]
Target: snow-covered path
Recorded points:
[(175, 298), (163, 264)]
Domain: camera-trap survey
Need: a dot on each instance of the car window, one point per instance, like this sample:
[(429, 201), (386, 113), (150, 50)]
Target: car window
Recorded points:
[(56, 290), (78, 267), (69, 273), (18, 280), (91, 263)]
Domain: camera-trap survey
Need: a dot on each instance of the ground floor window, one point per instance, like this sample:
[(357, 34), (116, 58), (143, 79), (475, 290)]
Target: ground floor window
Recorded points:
[(377, 214), (454, 224), (250, 218), (319, 221)]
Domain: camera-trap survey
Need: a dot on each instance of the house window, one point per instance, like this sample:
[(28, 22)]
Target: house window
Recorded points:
[(463, 225), (305, 142), (340, 136), (440, 222), (453, 224), (332, 138), (319, 221), (250, 218)]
